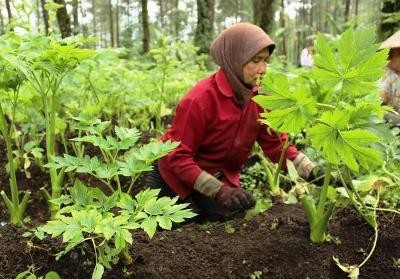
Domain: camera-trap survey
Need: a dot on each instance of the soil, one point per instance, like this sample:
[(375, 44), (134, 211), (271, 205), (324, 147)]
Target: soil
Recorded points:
[(274, 244)]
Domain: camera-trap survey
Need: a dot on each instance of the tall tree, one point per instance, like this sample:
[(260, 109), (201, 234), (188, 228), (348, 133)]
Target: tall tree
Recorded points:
[(110, 13), (283, 26), (205, 24), (45, 17), (1, 23), (63, 19), (8, 7), (145, 27), (263, 14), (117, 25), (346, 9), (94, 17), (162, 12), (75, 9)]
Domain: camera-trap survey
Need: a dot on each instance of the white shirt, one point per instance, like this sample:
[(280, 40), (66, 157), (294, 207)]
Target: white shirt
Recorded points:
[(306, 59)]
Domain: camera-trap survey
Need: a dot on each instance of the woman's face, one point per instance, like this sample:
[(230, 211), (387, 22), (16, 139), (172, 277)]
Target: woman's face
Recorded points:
[(394, 63), (254, 70)]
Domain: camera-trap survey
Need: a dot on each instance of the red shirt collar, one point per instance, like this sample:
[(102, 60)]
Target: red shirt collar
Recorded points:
[(223, 84)]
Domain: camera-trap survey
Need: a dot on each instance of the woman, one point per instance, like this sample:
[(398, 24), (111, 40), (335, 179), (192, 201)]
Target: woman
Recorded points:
[(217, 125)]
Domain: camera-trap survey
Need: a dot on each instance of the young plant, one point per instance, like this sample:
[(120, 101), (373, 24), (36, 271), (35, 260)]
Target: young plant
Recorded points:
[(342, 129), (345, 128), (119, 155), (107, 221), (11, 80), (44, 62)]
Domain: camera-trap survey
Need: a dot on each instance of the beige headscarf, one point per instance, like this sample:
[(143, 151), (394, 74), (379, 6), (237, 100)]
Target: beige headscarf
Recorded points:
[(233, 48)]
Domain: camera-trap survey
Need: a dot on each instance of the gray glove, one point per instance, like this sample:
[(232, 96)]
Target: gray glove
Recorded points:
[(303, 165), (231, 198)]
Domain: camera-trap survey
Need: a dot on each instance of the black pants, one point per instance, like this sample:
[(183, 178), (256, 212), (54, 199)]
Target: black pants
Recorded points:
[(201, 204)]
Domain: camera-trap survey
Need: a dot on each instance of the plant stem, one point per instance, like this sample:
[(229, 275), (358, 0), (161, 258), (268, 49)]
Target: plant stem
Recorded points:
[(324, 191), (372, 249), (14, 207)]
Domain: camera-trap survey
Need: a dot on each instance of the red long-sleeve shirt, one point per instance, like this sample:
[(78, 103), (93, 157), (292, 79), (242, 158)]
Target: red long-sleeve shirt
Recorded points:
[(216, 135)]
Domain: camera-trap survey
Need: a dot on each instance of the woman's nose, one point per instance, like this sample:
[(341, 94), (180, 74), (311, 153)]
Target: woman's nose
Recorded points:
[(262, 68)]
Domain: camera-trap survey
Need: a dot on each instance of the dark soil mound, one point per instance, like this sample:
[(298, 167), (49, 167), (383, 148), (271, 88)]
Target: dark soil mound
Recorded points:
[(274, 244)]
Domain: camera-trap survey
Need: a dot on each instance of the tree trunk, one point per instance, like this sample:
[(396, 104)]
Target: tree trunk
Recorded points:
[(205, 25), (94, 17), (1, 24), (176, 19), (45, 17), (110, 14), (117, 24), (145, 26), (263, 14), (75, 10), (8, 7), (128, 14), (283, 25), (162, 12), (64, 22), (346, 9)]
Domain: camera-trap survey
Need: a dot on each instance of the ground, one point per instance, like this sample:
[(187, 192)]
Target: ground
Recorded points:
[(274, 244)]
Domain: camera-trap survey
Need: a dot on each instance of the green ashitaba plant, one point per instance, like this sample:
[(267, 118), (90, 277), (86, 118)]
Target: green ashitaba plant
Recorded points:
[(107, 221), (346, 128), (10, 81), (120, 155), (44, 62)]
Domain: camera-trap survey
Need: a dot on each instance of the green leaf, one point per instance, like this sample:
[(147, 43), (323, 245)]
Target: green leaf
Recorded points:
[(338, 143), (149, 225), (52, 275), (164, 222), (54, 227), (127, 203), (287, 112), (111, 201), (63, 199), (98, 271)]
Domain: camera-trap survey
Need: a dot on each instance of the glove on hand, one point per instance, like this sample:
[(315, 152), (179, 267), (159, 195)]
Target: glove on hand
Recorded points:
[(303, 165), (227, 197), (234, 198)]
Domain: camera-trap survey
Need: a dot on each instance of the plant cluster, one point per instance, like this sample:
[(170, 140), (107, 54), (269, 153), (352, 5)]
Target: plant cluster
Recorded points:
[(337, 107)]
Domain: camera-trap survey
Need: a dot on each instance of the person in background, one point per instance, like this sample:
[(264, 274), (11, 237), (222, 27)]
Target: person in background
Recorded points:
[(390, 83), (217, 123), (306, 59)]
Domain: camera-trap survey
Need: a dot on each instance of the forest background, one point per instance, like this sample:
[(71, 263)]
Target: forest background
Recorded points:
[(137, 25)]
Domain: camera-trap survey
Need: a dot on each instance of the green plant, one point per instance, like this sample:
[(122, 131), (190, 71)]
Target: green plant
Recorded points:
[(338, 108), (11, 80), (256, 275), (30, 274), (254, 179), (106, 221), (44, 62), (131, 163)]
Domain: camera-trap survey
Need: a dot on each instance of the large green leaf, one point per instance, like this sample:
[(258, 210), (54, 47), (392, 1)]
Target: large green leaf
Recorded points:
[(339, 143)]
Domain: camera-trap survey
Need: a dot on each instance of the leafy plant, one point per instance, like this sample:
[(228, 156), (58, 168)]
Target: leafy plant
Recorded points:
[(346, 128), (11, 80), (30, 274), (133, 161), (107, 221), (44, 62)]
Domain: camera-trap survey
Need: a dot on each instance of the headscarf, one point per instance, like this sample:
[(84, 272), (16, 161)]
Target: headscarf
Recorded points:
[(233, 48)]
